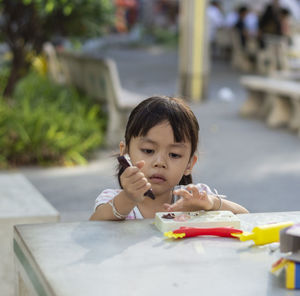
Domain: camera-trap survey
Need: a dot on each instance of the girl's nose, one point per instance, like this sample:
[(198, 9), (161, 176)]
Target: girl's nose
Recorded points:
[(160, 163)]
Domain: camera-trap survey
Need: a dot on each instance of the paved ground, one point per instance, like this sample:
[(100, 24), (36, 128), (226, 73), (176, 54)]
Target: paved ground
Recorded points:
[(250, 163)]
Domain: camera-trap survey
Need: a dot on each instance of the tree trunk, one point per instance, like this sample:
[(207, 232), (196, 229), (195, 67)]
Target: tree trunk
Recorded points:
[(18, 70), (21, 30)]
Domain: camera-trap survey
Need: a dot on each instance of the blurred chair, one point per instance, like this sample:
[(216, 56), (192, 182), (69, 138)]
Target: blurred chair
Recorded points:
[(53, 65), (240, 56), (99, 78)]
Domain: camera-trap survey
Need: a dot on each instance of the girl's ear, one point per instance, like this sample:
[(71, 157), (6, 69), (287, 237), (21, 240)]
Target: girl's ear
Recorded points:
[(190, 165), (122, 148)]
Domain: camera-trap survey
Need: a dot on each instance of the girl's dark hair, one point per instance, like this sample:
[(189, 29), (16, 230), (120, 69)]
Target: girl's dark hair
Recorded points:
[(154, 111)]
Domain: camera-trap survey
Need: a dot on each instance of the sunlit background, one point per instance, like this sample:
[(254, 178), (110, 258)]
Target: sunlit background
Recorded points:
[(61, 116)]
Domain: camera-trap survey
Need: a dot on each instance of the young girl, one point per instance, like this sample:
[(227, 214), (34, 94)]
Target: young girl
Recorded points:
[(161, 139)]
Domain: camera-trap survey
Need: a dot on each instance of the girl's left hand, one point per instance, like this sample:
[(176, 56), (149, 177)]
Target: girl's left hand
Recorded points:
[(191, 200)]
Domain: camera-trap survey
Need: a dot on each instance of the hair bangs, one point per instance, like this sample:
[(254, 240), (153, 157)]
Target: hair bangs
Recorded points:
[(157, 110)]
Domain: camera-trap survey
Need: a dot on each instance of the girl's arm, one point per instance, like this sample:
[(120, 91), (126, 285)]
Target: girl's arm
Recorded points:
[(134, 186), (227, 205), (122, 205)]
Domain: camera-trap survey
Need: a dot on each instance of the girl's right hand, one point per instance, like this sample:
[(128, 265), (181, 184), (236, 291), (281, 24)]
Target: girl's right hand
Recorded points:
[(134, 182), (191, 200)]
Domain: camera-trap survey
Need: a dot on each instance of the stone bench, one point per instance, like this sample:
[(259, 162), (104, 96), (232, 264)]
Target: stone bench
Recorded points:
[(278, 55), (286, 75), (98, 78), (275, 100), (20, 203)]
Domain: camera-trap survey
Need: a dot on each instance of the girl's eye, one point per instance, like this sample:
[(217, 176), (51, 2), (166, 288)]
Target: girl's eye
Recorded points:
[(147, 151), (175, 155)]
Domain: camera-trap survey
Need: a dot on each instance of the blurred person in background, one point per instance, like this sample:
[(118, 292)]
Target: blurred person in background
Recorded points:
[(285, 22), (216, 21), (269, 22), (240, 25), (166, 14), (126, 14), (274, 21), (232, 18), (215, 18), (250, 20), (293, 6), (246, 27)]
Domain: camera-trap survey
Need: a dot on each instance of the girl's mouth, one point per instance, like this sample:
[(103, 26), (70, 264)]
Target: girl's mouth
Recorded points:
[(157, 178)]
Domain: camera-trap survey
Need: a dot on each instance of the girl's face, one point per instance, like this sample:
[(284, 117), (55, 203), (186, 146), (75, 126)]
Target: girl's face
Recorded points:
[(166, 161)]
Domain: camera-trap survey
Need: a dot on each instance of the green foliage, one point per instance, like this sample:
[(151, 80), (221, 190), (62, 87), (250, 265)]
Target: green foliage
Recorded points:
[(4, 73), (165, 37), (26, 24), (65, 17), (77, 17), (48, 124)]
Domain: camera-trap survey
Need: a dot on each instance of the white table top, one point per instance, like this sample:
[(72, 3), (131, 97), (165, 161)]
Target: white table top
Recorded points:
[(134, 258)]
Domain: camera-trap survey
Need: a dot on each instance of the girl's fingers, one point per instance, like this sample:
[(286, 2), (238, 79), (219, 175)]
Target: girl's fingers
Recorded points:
[(140, 184), (140, 164), (183, 193), (132, 179), (136, 178), (194, 190), (130, 171), (144, 189), (190, 187), (139, 188), (166, 206), (176, 206), (202, 195)]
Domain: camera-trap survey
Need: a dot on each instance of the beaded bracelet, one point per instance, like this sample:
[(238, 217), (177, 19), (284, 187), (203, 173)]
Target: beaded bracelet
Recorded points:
[(115, 211), (219, 197)]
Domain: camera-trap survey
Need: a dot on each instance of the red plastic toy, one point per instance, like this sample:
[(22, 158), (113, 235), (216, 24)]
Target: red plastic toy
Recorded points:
[(184, 232)]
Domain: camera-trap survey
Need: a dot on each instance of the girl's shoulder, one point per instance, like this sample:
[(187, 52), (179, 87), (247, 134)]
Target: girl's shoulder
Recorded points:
[(110, 192), (105, 196)]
